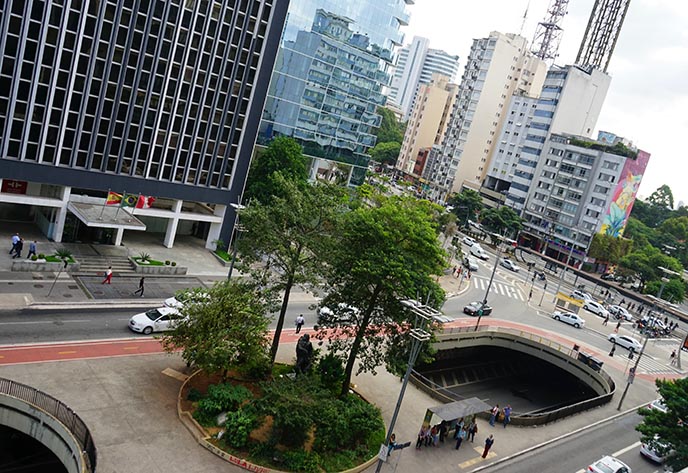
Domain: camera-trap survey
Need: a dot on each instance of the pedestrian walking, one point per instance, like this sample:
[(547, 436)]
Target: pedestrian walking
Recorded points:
[(489, 441), (618, 325), (392, 444), (460, 436), (141, 287), (613, 350), (108, 276), (18, 248), (507, 415), (15, 240), (32, 249), (672, 357), (455, 271), (606, 319), (469, 274), (493, 414), (300, 320), (530, 295)]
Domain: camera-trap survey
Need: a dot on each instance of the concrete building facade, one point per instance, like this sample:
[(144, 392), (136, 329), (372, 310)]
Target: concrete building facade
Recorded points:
[(428, 121), (415, 65), (154, 98), (498, 67)]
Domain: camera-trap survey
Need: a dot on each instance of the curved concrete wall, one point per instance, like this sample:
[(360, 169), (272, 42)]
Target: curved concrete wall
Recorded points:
[(36, 423)]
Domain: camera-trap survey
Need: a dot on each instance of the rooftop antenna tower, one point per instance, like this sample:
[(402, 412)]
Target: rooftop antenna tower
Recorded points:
[(604, 26), (548, 32), (525, 17)]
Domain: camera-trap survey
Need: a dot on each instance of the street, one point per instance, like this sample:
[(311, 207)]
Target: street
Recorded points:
[(575, 453)]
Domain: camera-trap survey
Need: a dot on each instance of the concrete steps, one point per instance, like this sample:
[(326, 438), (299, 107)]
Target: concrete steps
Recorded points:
[(91, 265)]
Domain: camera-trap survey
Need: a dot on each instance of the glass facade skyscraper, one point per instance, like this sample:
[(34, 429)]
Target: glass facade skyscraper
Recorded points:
[(161, 97), (328, 81)]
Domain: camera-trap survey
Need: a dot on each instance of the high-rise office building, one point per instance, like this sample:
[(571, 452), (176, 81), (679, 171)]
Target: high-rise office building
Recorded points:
[(580, 187), (427, 123), (570, 102), (151, 97), (498, 67), (415, 65), (328, 81)]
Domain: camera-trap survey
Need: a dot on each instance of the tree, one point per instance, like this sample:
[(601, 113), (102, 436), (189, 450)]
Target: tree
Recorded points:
[(466, 205), (674, 290), (668, 427), (645, 262), (283, 156), (289, 233), (609, 249), (662, 197), (384, 254), (650, 214), (386, 152), (503, 220), (223, 330), (676, 227), (391, 130)]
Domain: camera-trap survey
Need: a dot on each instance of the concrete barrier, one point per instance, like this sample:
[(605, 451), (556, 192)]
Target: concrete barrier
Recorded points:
[(40, 266)]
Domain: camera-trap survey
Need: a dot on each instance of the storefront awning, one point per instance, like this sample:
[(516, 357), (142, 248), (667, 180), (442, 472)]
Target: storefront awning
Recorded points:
[(94, 215)]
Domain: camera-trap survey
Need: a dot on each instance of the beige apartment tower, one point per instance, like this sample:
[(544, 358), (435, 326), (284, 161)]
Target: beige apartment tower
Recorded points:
[(428, 120)]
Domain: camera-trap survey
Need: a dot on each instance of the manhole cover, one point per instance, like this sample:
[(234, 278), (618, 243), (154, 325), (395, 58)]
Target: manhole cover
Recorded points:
[(38, 286), (71, 286), (66, 295)]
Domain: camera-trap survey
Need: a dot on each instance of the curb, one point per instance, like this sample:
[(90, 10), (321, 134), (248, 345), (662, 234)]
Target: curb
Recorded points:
[(99, 304), (556, 439)]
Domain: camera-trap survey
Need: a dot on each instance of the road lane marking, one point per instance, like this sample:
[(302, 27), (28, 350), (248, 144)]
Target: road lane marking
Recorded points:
[(130, 348), (70, 352), (624, 450), (51, 322)]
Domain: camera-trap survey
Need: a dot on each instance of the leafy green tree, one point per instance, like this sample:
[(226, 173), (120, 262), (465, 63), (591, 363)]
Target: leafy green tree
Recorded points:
[(662, 197), (639, 232), (283, 156), (676, 227), (650, 214), (669, 427), (467, 204), (224, 330), (674, 290), (645, 262), (386, 152), (391, 129), (289, 233), (384, 254), (503, 220), (609, 249)]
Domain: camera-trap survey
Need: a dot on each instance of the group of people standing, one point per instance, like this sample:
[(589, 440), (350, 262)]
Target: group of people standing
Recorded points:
[(18, 247), (503, 415), (463, 431)]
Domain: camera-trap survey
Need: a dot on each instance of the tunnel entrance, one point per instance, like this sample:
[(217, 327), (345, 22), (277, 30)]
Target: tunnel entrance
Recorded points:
[(22, 453), (501, 376)]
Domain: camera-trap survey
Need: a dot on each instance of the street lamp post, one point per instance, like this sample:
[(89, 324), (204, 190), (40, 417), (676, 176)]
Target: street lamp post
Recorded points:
[(233, 240), (419, 336), (561, 276), (489, 285)]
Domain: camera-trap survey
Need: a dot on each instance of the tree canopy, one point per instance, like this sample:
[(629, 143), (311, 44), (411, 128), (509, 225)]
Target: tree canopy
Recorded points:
[(283, 156), (386, 152), (662, 197), (391, 129), (384, 254), (609, 249), (466, 205), (670, 429)]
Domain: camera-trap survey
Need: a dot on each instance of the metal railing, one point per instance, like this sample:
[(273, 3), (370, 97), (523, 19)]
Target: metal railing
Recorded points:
[(57, 409)]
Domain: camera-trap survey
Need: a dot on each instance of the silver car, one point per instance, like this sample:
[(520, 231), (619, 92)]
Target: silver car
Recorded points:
[(569, 318), (609, 464), (626, 342)]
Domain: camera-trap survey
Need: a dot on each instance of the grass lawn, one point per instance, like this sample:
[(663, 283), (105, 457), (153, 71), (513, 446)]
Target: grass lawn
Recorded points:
[(223, 254)]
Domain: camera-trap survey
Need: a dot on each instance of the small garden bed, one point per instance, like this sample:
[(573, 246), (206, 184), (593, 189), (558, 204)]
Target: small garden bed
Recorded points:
[(223, 255), (143, 263), (287, 423), (149, 262)]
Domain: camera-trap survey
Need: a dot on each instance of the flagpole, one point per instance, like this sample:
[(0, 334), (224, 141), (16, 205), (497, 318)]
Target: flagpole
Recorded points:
[(104, 205), (124, 194)]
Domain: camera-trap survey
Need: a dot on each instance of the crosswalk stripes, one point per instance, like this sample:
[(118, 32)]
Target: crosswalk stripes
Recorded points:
[(649, 364), (499, 288)]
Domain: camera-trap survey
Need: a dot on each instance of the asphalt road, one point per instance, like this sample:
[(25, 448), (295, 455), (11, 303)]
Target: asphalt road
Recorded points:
[(574, 454)]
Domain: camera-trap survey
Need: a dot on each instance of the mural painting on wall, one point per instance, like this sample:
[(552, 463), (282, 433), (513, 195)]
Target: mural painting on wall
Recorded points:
[(623, 198)]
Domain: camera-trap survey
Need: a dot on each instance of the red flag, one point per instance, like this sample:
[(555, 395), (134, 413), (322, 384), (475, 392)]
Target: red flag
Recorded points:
[(113, 198), (145, 202)]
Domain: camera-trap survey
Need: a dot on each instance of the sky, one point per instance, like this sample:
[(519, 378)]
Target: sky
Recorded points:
[(648, 98)]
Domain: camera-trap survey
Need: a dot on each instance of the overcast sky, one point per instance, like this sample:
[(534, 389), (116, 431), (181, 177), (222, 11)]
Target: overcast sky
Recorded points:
[(648, 97)]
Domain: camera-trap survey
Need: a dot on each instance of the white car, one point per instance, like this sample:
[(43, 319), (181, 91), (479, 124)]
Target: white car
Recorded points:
[(468, 241), (508, 264), (569, 318), (596, 308), (477, 250), (608, 464), (155, 320), (659, 405), (177, 301), (620, 313), (581, 296), (626, 342), (650, 450), (470, 263), (344, 313)]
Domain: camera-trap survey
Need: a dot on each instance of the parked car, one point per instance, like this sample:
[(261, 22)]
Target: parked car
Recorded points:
[(609, 464), (659, 405), (477, 250), (474, 307), (470, 263), (581, 296), (626, 342), (596, 308), (569, 318), (155, 320), (177, 301), (620, 313), (344, 314), (651, 450), (508, 264), (468, 241)]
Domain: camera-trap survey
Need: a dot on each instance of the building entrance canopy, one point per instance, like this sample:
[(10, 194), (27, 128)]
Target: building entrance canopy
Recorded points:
[(94, 215), (458, 409)]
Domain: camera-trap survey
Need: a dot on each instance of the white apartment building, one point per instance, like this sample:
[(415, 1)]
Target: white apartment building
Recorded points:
[(415, 65), (428, 120), (498, 67)]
